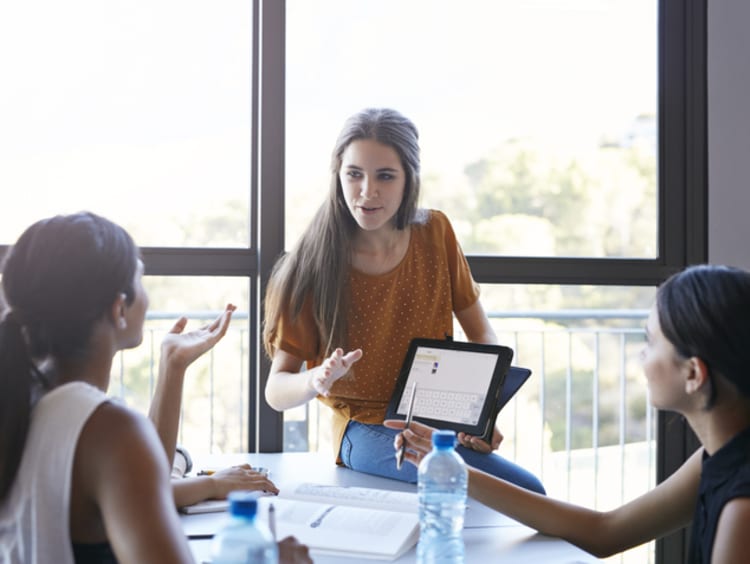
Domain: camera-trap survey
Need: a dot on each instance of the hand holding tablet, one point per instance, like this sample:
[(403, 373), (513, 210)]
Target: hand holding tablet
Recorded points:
[(462, 386)]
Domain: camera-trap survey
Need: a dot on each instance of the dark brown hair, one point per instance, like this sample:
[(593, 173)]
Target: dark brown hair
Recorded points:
[(59, 278), (704, 311)]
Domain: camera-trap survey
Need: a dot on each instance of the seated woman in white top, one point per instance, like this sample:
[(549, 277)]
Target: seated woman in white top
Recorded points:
[(83, 478)]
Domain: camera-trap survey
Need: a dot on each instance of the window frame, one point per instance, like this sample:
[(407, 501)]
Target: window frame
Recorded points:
[(682, 206), (682, 210)]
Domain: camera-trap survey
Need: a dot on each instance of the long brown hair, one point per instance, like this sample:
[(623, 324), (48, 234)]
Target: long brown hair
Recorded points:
[(317, 267)]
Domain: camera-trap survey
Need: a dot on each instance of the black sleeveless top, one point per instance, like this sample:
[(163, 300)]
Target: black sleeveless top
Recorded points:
[(97, 553), (725, 476)]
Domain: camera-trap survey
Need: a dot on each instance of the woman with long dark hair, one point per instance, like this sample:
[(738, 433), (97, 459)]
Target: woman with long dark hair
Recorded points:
[(84, 478), (371, 271), (697, 363)]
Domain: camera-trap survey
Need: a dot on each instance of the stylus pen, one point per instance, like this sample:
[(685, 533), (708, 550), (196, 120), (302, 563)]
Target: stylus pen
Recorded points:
[(402, 450)]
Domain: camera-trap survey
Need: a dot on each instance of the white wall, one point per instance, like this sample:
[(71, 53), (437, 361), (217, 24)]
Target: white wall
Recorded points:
[(729, 132)]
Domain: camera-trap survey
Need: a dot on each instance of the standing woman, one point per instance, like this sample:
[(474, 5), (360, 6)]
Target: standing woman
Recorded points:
[(371, 272)]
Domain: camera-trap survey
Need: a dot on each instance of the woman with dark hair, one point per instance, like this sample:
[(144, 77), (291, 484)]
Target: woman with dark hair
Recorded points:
[(697, 362), (83, 478), (371, 271)]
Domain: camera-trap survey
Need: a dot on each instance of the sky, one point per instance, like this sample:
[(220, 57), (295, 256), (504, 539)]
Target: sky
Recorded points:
[(109, 105)]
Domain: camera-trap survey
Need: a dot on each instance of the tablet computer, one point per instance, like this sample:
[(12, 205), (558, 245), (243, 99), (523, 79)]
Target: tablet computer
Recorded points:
[(458, 385)]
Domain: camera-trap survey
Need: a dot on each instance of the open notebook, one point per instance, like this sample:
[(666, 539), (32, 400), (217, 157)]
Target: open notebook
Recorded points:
[(355, 522)]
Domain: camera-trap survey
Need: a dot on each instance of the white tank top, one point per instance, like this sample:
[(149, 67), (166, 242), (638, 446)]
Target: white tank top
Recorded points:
[(35, 517)]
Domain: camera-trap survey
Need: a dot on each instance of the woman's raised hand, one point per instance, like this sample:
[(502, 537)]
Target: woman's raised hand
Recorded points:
[(181, 349), (333, 368)]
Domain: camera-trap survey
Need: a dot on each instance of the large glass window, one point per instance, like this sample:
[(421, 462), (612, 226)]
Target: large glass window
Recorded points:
[(538, 120), (565, 138), (566, 142), (139, 111), (142, 112), (214, 418)]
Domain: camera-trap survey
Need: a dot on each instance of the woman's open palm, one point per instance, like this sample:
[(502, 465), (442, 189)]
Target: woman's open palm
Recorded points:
[(181, 349)]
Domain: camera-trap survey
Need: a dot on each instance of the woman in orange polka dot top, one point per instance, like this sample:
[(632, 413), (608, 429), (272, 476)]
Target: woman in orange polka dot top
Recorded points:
[(371, 272)]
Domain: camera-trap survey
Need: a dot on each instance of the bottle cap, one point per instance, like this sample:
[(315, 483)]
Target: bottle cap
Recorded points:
[(444, 439), (243, 503)]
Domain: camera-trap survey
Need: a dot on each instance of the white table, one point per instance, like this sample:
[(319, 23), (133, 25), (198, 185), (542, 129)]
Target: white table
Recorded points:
[(488, 535)]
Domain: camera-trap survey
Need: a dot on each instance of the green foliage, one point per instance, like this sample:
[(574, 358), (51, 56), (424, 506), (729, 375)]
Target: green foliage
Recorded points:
[(598, 204)]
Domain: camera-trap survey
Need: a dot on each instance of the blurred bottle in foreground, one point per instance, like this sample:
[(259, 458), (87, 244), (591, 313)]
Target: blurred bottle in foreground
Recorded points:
[(244, 539)]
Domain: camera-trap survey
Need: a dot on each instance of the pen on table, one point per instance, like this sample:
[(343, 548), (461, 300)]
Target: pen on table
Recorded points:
[(259, 470), (272, 520), (402, 450)]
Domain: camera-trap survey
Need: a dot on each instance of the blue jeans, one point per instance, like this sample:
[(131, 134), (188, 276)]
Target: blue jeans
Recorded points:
[(369, 449)]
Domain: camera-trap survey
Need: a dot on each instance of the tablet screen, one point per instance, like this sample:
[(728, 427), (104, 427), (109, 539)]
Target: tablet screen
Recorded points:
[(452, 385)]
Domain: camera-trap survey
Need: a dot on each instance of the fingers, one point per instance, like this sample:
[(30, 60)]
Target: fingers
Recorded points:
[(351, 357), (179, 325), (474, 443), (480, 446), (414, 457), (394, 423), (340, 363), (218, 328), (333, 368), (398, 441), (222, 322), (418, 441), (497, 438), (291, 551), (414, 426), (207, 335), (420, 435), (242, 477)]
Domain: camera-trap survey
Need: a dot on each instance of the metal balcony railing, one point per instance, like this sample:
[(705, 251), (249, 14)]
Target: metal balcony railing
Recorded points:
[(582, 423)]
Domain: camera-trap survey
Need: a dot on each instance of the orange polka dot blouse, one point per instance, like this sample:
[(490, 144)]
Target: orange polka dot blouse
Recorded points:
[(415, 299)]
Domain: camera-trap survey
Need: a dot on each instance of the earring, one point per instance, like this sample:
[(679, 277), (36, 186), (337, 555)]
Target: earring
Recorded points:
[(122, 324)]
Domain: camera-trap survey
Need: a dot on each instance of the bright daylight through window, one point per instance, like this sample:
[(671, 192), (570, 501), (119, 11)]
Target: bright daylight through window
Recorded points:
[(538, 134), (539, 124)]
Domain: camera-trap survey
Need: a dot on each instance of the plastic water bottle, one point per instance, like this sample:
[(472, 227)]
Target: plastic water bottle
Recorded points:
[(442, 482), (244, 539)]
